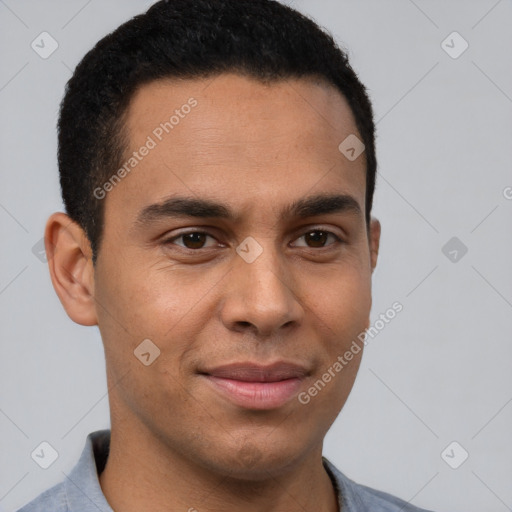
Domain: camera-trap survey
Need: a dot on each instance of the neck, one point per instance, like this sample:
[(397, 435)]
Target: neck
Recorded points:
[(142, 473)]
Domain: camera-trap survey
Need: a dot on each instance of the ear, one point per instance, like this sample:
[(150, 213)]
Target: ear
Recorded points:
[(375, 231), (69, 256)]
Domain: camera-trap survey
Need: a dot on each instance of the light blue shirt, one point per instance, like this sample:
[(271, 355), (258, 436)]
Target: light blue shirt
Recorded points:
[(81, 491)]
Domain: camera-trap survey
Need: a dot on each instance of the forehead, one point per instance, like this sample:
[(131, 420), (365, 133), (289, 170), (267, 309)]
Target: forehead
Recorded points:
[(228, 102), (236, 137)]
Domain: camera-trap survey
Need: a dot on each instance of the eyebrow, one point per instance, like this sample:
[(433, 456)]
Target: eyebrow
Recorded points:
[(175, 207)]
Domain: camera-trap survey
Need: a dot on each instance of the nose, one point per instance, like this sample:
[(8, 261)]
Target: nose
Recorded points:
[(261, 296)]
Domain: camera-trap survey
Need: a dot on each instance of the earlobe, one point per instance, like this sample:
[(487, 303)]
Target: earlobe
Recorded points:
[(70, 263), (375, 232)]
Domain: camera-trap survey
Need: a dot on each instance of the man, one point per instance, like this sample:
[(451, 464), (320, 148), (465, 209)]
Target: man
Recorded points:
[(218, 166)]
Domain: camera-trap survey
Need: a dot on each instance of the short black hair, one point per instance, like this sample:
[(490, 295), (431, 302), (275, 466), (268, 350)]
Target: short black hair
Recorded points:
[(263, 39)]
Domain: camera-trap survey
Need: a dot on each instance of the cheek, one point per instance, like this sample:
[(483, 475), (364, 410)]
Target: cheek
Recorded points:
[(344, 308), (342, 316), (170, 301), (164, 305), (146, 301), (341, 301)]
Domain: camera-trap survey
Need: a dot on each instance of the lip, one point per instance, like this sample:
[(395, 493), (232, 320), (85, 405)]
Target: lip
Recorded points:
[(254, 386)]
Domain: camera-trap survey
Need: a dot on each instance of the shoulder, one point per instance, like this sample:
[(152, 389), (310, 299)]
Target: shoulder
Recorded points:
[(53, 499), (384, 502), (80, 491), (358, 498)]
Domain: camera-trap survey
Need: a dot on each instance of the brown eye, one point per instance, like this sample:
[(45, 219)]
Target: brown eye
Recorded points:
[(318, 239), (194, 240), (191, 240)]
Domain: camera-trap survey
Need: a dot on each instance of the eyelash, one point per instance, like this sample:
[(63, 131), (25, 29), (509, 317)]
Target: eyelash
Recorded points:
[(338, 240)]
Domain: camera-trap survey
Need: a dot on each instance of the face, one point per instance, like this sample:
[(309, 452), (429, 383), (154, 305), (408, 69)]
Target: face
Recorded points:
[(237, 244)]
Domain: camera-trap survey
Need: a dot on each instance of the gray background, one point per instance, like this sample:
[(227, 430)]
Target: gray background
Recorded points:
[(439, 372)]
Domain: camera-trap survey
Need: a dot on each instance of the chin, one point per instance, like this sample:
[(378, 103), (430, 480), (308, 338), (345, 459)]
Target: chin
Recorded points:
[(256, 461)]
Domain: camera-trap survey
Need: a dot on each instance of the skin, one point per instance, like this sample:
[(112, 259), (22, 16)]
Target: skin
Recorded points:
[(176, 442)]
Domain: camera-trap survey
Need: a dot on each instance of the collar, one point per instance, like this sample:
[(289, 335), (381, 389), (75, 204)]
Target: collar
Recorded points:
[(84, 494)]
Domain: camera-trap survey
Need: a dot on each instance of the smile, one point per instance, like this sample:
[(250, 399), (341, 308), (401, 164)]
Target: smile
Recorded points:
[(257, 387)]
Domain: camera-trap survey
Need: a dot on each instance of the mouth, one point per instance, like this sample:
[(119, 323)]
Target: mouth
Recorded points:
[(253, 386)]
